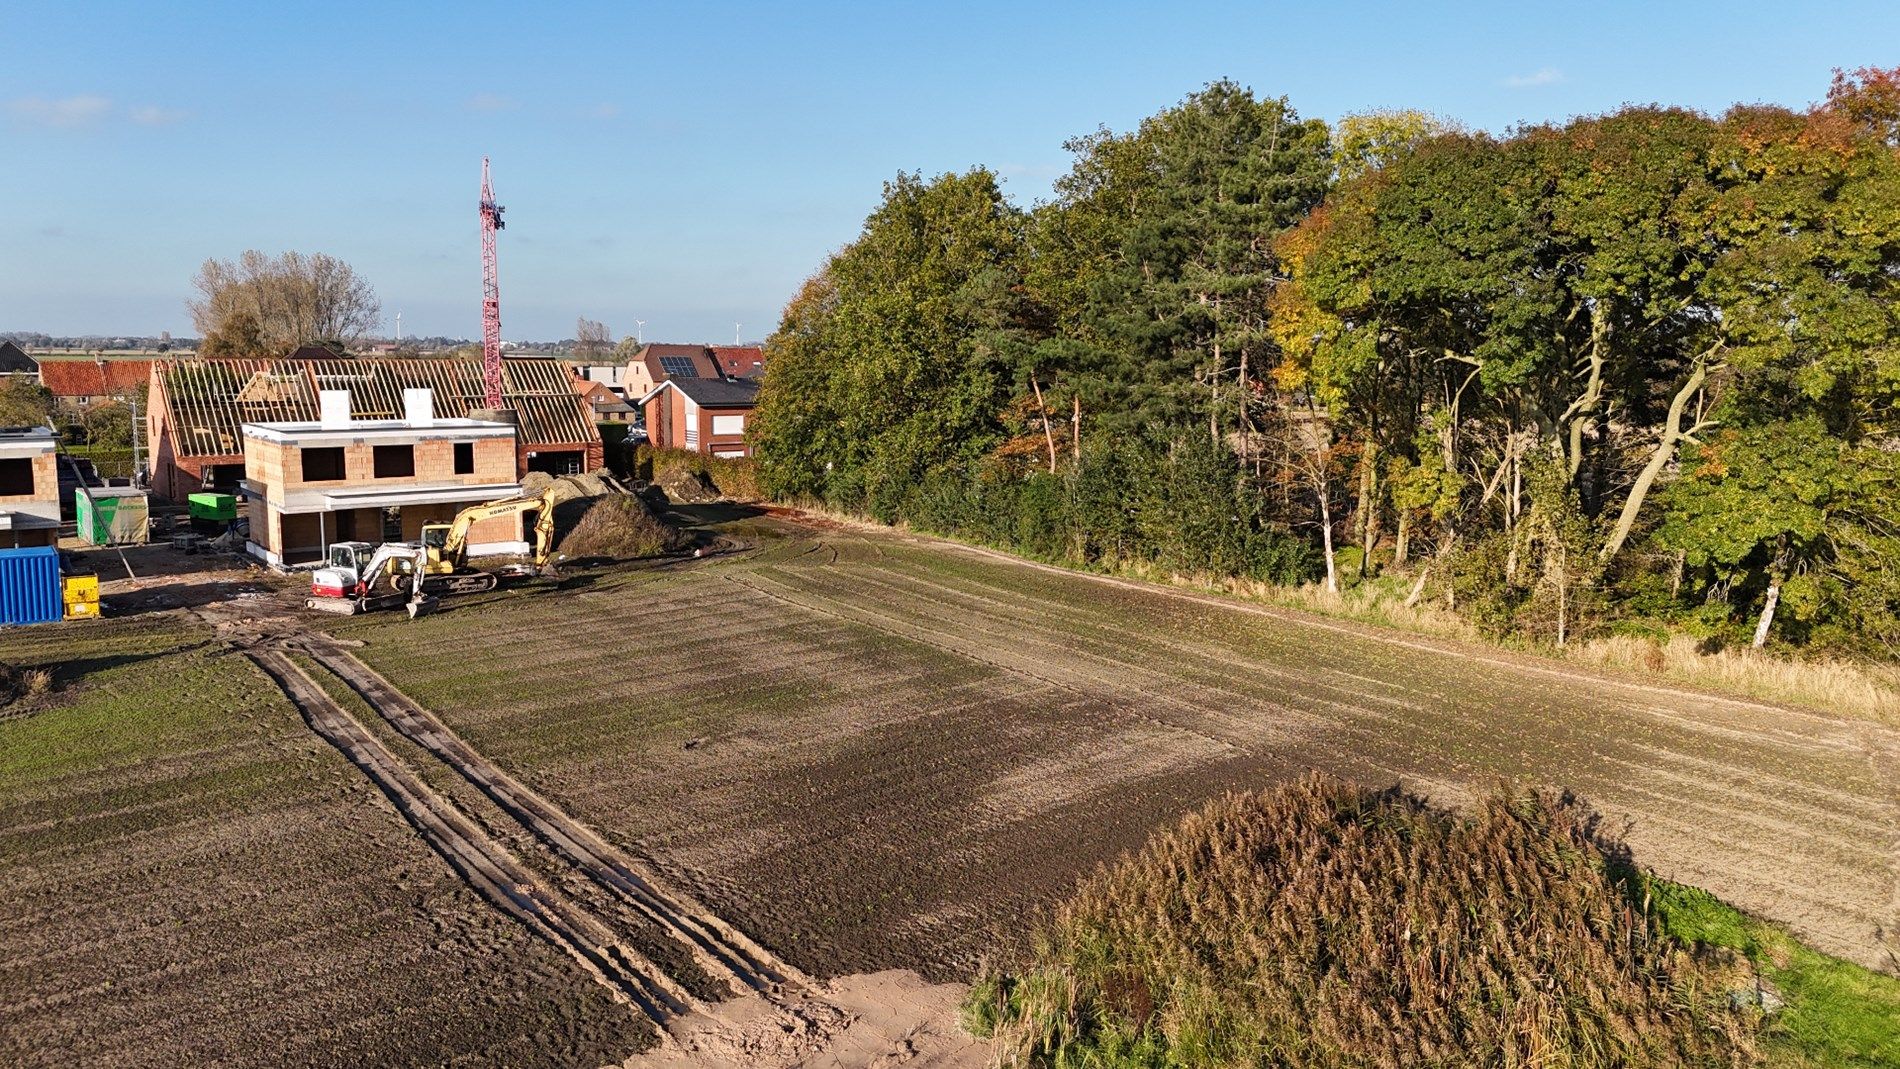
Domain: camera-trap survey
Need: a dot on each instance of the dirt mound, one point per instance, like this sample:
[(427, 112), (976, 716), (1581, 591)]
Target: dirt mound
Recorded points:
[(595, 483), (1336, 926), (618, 526), (687, 487)]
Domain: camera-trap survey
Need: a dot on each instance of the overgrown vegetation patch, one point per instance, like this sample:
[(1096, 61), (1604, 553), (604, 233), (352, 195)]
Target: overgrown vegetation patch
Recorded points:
[(1320, 924)]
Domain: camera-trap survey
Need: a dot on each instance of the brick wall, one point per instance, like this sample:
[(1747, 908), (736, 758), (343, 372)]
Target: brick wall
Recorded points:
[(278, 467), (45, 484)]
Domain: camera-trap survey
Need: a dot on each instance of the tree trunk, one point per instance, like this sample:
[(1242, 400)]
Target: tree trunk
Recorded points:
[(1775, 573), (1665, 451), (1326, 539), (1048, 435), (1075, 429), (1405, 529), (1563, 592), (1583, 410), (1767, 613), (1368, 509)]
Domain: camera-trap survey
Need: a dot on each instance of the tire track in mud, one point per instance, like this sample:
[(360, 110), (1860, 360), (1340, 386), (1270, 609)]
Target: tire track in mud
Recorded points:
[(482, 863), (717, 947)]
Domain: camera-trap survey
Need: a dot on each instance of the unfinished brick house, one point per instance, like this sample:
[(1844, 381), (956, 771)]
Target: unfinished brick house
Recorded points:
[(198, 407), (29, 487), (310, 483), (704, 415)]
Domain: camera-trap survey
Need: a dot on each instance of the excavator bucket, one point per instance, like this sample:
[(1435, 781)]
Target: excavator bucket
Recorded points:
[(423, 606)]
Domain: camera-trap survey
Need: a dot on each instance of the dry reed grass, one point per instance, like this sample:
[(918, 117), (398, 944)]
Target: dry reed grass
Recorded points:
[(1865, 691), (1321, 925)]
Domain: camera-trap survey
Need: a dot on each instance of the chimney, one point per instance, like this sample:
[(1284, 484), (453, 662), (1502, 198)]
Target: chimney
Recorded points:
[(418, 407), (333, 409)]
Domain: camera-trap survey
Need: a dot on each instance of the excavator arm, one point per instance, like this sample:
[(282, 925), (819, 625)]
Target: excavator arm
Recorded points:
[(453, 552)]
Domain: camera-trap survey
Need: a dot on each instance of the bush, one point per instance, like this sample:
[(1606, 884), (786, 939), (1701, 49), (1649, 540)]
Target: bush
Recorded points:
[(1324, 925), (736, 478)]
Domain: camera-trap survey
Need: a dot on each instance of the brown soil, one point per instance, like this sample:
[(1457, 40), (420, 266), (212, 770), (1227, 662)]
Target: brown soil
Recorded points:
[(872, 751)]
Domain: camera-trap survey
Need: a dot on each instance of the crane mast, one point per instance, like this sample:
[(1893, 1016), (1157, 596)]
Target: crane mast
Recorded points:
[(491, 296)]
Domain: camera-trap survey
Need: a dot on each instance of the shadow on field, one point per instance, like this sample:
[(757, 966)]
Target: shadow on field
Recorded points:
[(717, 512), (77, 669)]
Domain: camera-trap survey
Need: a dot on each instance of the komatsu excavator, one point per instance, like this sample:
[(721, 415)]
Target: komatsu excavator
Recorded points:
[(361, 578)]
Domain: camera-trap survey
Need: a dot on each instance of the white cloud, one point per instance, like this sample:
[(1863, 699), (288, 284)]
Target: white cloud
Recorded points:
[(1543, 76), (153, 115), (62, 112), (492, 102)]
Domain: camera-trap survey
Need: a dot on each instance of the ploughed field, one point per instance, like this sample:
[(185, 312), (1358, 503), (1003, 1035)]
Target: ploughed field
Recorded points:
[(192, 877), (872, 751), (862, 750)]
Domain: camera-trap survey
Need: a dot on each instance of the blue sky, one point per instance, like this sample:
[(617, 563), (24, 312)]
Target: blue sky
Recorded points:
[(688, 164)]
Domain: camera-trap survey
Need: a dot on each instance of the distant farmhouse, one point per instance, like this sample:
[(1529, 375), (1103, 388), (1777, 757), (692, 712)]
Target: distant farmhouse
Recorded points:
[(79, 382)]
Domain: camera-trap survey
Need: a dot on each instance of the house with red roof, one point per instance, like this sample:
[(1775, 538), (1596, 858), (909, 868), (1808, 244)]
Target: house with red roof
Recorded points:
[(79, 382)]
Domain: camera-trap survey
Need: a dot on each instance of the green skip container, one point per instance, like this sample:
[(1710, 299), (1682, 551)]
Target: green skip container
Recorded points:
[(112, 515), (209, 506)]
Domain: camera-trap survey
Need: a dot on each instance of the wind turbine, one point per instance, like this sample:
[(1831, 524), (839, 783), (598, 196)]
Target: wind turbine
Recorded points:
[(639, 338)]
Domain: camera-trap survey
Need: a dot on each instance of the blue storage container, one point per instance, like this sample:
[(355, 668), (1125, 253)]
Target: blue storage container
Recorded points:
[(29, 586)]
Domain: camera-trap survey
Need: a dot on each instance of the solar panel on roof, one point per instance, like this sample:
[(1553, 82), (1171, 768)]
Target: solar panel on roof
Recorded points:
[(678, 365)]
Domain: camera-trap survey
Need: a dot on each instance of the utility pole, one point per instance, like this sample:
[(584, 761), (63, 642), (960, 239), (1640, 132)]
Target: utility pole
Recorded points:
[(491, 296)]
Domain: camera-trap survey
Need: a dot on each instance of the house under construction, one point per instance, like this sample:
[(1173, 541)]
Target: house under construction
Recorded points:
[(199, 407)]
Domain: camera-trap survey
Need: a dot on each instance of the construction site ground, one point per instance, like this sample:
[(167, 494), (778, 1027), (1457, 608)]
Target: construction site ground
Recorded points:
[(826, 768)]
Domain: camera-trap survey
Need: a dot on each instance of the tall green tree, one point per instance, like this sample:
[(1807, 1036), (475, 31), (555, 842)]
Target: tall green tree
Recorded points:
[(905, 345), (1156, 255)]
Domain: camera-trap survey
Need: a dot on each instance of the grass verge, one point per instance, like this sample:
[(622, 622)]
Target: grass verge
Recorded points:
[(1836, 1013)]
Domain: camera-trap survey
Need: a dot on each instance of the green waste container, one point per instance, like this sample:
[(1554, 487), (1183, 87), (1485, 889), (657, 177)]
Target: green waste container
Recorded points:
[(209, 506)]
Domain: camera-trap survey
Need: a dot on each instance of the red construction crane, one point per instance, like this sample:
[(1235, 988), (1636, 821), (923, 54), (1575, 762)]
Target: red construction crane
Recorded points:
[(491, 296)]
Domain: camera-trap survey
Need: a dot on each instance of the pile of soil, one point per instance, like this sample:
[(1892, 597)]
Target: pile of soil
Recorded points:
[(618, 526), (688, 487), (1332, 926), (595, 483)]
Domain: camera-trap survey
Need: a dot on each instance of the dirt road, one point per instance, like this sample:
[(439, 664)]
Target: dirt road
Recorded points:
[(874, 751)]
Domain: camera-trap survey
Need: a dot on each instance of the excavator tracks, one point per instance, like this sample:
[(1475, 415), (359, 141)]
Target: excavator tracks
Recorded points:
[(483, 864), (719, 949)]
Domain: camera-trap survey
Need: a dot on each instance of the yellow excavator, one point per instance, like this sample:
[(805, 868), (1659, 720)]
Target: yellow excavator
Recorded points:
[(446, 569), (361, 577)]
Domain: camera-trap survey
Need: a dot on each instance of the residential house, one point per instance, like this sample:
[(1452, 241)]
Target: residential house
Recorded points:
[(198, 408), (612, 375), (334, 479), (29, 487), (80, 382), (656, 363), (739, 361), (15, 361), (602, 402), (705, 415)]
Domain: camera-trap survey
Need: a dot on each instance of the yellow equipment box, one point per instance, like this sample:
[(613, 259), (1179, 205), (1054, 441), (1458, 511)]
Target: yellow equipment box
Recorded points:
[(81, 594)]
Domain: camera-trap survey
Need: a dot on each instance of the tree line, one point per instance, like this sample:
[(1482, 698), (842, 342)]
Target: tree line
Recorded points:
[(1634, 371)]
